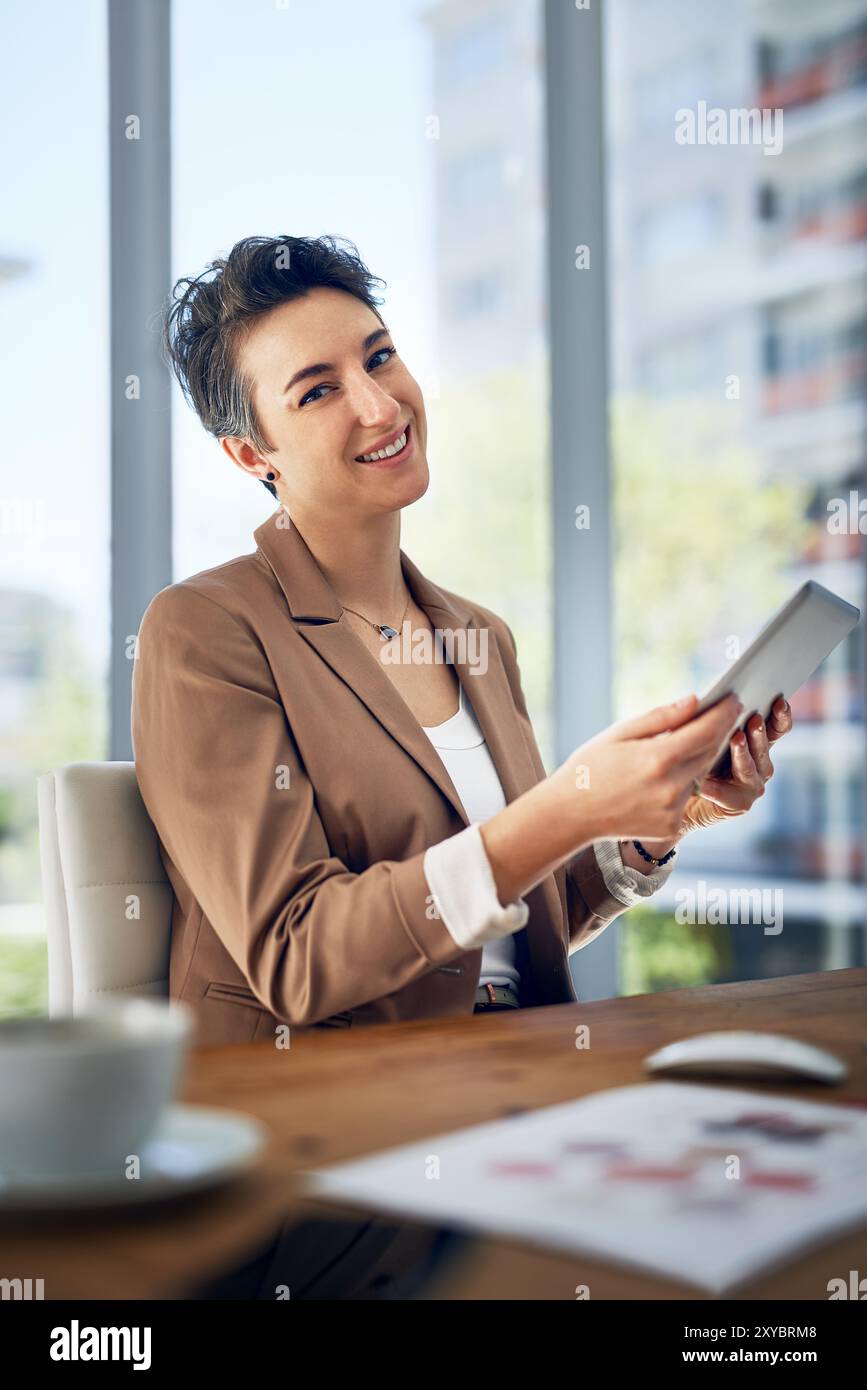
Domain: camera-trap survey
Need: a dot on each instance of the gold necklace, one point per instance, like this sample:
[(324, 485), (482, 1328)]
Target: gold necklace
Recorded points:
[(385, 631)]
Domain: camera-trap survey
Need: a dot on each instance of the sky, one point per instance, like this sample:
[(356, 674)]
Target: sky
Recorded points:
[(299, 118)]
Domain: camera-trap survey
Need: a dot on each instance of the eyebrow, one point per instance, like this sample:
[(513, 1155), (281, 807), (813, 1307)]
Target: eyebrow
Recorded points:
[(318, 367)]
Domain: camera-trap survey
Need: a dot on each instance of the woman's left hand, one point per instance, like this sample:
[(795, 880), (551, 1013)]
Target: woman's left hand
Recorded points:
[(724, 797)]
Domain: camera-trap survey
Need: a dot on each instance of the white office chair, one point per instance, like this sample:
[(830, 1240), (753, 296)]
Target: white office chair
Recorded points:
[(108, 902)]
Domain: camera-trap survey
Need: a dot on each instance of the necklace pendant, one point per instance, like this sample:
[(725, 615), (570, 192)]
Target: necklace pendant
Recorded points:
[(386, 632)]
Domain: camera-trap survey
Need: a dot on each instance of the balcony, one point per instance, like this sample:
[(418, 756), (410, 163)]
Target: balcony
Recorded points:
[(838, 380), (843, 67)]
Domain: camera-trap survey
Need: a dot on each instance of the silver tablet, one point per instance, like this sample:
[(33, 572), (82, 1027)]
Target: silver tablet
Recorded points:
[(785, 653)]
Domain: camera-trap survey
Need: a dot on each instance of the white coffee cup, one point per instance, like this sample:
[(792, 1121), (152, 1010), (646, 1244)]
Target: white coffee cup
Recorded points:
[(84, 1093)]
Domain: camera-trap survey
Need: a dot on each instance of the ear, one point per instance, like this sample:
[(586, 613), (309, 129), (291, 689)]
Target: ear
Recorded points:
[(245, 457)]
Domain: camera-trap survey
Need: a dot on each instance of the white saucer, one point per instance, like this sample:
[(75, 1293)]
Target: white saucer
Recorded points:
[(194, 1147)]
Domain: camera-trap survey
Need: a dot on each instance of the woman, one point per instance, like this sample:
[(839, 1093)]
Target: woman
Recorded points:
[(354, 836)]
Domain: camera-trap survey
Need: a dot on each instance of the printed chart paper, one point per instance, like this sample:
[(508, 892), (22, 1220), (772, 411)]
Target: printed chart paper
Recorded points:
[(705, 1184)]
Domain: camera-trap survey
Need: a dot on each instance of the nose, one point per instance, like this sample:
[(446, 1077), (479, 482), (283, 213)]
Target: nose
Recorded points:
[(373, 406)]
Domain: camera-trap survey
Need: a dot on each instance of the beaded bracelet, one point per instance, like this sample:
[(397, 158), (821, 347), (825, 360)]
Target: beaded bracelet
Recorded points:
[(649, 857)]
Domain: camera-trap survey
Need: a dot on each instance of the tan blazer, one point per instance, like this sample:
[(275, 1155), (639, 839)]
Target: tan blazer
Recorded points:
[(294, 794)]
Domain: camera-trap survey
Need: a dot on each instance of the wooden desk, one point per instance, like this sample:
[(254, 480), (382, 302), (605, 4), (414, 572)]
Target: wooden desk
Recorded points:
[(341, 1094)]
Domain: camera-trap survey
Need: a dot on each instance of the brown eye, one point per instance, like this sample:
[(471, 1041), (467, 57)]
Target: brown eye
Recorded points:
[(390, 351), (306, 398), (387, 351)]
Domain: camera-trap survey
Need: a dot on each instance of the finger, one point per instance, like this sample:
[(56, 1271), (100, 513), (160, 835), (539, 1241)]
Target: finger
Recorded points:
[(779, 720), (758, 740), (737, 791), (660, 719), (703, 735), (745, 770), (699, 768), (731, 795)]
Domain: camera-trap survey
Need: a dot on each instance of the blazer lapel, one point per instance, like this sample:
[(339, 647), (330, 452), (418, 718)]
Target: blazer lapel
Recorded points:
[(487, 685), (540, 946), (316, 611)]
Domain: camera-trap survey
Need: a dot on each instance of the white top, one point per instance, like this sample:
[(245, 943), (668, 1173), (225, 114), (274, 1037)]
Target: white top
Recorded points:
[(459, 873)]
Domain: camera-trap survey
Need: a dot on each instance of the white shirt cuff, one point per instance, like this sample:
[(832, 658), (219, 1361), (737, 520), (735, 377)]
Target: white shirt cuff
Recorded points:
[(628, 884), (461, 881)]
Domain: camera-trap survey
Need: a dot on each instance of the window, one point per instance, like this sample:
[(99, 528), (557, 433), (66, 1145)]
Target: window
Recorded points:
[(680, 81), (54, 510), (479, 295), (475, 178), (711, 373), (474, 51), (674, 231), (408, 191)]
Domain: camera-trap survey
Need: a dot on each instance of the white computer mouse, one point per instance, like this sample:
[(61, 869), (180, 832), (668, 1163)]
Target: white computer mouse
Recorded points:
[(766, 1056)]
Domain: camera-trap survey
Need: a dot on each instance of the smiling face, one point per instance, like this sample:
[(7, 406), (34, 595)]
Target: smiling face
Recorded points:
[(328, 386)]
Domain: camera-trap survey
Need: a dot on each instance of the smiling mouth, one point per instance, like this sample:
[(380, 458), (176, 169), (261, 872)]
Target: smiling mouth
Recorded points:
[(390, 453)]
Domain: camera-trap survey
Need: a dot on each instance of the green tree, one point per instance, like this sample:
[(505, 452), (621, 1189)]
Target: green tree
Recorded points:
[(64, 722), (704, 541)]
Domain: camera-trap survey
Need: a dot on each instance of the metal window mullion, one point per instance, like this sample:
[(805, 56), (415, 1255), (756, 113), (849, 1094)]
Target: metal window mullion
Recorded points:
[(577, 311), (140, 399)]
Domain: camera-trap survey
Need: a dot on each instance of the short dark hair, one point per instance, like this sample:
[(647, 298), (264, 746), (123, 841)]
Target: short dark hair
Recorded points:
[(206, 315)]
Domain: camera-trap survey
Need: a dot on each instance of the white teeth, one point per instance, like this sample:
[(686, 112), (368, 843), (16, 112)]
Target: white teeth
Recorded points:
[(392, 449)]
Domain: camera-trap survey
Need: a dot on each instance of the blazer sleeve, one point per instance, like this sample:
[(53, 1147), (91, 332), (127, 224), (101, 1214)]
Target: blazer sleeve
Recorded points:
[(462, 883), (591, 903), (223, 782)]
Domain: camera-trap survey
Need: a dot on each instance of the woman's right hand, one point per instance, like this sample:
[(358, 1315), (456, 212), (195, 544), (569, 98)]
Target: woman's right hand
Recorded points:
[(635, 778)]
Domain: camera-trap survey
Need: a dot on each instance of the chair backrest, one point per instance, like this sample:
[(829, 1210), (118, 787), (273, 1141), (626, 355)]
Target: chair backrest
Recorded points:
[(108, 901)]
